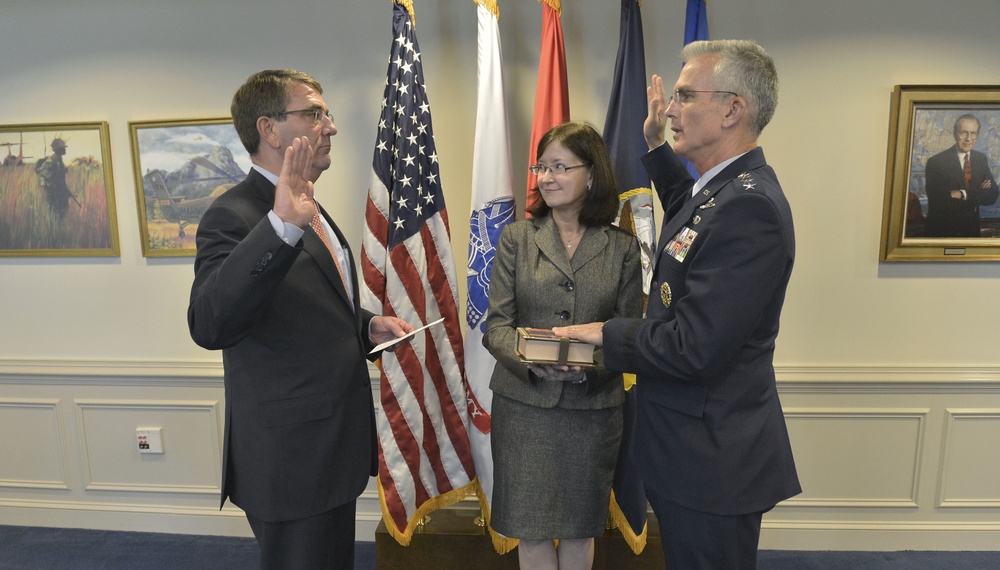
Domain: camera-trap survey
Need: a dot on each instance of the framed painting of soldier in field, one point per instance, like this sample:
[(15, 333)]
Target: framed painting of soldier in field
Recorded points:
[(180, 167), (56, 193)]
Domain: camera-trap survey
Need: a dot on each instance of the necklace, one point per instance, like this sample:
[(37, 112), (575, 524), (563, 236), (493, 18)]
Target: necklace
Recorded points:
[(569, 242)]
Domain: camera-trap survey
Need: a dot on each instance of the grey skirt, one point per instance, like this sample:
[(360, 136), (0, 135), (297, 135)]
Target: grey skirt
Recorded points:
[(553, 469)]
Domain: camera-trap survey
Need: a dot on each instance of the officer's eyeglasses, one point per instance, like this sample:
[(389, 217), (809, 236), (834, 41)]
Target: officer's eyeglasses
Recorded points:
[(683, 96)]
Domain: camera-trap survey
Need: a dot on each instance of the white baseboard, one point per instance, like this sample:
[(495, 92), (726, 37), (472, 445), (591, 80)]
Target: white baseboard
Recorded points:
[(230, 521)]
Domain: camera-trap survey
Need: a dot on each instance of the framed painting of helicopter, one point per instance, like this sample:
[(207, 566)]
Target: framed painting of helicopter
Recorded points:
[(180, 167), (56, 193)]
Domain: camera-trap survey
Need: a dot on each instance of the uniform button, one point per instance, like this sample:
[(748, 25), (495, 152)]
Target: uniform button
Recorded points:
[(568, 286), (564, 315)]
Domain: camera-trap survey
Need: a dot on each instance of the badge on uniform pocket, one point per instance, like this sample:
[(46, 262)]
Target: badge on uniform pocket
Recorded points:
[(666, 295), (681, 243)]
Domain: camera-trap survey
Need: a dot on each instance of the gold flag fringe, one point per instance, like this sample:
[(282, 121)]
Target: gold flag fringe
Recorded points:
[(490, 5), (408, 4), (637, 542), (502, 544), (554, 4), (403, 537), (635, 192)]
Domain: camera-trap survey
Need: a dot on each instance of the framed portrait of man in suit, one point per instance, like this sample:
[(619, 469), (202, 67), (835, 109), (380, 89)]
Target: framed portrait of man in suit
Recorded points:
[(941, 193)]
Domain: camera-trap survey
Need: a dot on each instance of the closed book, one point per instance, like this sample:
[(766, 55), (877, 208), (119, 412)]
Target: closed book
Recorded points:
[(542, 346)]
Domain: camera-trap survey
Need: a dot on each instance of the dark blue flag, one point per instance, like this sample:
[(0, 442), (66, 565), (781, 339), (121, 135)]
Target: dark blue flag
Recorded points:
[(623, 134)]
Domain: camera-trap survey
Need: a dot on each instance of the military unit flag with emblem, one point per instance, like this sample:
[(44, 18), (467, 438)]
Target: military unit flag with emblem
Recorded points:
[(493, 207)]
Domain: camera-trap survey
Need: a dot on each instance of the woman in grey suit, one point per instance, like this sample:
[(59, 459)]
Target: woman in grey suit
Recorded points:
[(556, 430)]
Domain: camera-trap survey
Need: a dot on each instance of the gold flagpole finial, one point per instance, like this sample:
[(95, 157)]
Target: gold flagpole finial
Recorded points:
[(408, 4), (490, 5), (554, 4)]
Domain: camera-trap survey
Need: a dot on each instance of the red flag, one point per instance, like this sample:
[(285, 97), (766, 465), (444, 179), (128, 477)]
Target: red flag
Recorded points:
[(425, 460), (552, 90)]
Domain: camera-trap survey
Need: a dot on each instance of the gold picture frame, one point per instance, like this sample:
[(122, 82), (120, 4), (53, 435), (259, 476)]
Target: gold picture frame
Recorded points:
[(180, 167), (56, 191), (927, 215)]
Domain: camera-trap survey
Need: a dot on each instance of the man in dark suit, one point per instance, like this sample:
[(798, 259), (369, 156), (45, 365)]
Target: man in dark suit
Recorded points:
[(710, 441), (280, 299), (958, 182)]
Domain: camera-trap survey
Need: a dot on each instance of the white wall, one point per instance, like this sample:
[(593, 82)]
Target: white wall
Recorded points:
[(861, 341)]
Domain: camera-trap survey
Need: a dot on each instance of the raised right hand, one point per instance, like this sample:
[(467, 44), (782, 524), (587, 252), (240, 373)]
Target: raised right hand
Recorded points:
[(293, 195), (655, 127)]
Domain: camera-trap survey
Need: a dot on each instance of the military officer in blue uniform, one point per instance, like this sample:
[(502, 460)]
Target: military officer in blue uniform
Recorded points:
[(710, 441)]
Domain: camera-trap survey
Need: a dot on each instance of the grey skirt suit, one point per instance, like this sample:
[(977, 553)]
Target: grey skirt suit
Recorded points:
[(555, 444)]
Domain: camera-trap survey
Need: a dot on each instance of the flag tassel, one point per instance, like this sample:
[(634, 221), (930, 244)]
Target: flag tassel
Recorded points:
[(637, 542), (403, 537), (502, 544)]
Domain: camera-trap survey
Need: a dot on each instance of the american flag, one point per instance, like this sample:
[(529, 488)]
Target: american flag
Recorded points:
[(409, 271)]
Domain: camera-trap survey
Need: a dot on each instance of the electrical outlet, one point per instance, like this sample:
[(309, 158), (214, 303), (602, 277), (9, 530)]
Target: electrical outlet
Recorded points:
[(149, 440)]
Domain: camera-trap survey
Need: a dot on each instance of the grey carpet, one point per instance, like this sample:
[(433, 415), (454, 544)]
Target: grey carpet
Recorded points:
[(34, 548)]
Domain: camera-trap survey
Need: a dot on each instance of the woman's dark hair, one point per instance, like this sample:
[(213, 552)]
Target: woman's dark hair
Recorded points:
[(600, 207)]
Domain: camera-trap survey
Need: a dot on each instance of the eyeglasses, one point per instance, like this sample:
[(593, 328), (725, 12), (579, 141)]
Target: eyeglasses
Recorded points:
[(314, 113), (555, 169), (683, 96), (967, 134)]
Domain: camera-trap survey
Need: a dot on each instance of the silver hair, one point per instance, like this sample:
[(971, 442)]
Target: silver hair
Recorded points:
[(743, 67)]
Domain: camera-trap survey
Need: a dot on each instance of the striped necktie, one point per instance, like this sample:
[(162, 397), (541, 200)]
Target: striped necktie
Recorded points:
[(967, 168), (317, 227)]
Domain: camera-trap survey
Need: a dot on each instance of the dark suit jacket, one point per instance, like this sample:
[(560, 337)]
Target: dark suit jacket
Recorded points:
[(534, 285), (950, 217), (710, 432), (300, 435)]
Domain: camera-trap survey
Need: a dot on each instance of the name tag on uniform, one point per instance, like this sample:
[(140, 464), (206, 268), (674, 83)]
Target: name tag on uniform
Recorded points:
[(681, 243)]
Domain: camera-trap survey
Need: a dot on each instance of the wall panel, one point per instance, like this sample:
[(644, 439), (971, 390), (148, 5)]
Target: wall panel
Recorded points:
[(192, 458), (889, 457), (970, 468), (33, 446)]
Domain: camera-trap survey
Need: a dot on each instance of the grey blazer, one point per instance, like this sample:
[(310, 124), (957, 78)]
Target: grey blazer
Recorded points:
[(534, 284)]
